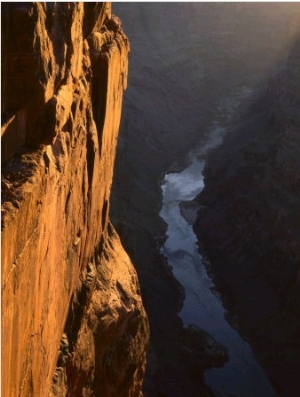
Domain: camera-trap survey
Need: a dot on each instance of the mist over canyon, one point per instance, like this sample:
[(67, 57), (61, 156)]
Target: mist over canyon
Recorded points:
[(196, 69)]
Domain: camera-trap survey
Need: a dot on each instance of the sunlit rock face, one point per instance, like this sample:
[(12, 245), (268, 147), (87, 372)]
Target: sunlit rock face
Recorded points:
[(250, 223), (73, 323)]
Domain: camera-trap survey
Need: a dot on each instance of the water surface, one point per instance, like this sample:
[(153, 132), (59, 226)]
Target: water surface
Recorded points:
[(242, 375)]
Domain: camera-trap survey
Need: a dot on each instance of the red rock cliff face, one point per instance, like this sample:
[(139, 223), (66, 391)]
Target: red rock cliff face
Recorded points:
[(73, 323)]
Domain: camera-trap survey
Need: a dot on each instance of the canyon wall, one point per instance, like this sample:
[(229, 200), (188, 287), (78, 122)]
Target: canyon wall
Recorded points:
[(249, 223), (73, 322)]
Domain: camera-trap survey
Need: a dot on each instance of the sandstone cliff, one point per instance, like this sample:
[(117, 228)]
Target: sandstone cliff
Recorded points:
[(250, 224), (73, 323)]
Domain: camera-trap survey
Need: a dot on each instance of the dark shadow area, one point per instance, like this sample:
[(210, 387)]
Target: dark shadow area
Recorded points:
[(250, 226)]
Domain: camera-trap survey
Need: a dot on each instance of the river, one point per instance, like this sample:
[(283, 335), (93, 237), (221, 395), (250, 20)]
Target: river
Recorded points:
[(241, 376)]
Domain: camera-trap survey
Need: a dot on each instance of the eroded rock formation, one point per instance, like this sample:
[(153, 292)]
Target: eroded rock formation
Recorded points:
[(73, 323)]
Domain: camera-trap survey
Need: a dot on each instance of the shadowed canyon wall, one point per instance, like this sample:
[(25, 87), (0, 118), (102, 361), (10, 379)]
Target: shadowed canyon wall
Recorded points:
[(249, 224), (73, 323)]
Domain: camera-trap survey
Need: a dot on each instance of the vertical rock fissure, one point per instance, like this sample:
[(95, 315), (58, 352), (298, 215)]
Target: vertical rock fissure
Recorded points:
[(99, 91)]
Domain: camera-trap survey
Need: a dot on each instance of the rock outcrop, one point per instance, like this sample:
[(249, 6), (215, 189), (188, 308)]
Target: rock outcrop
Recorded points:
[(250, 224), (73, 323)]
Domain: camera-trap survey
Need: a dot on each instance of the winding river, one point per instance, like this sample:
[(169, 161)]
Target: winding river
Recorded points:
[(241, 376)]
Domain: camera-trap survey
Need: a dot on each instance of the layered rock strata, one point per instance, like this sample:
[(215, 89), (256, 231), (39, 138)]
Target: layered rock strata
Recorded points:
[(73, 323), (249, 224)]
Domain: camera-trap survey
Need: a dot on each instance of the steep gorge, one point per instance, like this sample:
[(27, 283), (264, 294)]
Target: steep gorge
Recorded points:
[(73, 322), (193, 67)]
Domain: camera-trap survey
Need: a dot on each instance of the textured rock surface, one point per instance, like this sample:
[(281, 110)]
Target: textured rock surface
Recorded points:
[(73, 322), (250, 224)]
